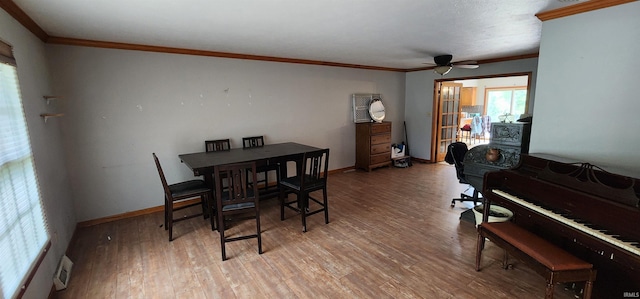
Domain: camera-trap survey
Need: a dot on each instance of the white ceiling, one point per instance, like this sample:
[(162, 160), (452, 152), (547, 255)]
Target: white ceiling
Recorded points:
[(402, 34)]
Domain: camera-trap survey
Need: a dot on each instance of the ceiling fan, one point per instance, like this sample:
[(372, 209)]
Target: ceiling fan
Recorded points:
[(444, 64)]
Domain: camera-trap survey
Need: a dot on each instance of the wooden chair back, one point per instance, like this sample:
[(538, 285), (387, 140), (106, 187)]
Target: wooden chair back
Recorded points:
[(165, 185), (237, 191), (255, 141), (217, 145), (315, 167), (238, 198)]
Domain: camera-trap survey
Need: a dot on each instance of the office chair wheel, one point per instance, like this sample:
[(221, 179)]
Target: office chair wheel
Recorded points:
[(453, 203), (508, 266)]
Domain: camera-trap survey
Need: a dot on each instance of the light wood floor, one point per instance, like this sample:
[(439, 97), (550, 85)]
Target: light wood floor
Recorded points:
[(392, 234)]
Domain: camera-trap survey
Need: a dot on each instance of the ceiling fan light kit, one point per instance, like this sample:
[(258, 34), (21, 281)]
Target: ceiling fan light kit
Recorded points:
[(442, 69), (444, 65)]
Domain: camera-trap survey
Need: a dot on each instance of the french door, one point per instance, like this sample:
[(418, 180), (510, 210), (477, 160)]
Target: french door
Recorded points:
[(448, 114)]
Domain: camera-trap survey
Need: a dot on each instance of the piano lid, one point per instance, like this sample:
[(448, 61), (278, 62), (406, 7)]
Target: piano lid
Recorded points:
[(590, 178)]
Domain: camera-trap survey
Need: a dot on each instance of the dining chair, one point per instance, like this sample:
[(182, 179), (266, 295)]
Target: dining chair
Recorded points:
[(180, 196), (255, 141), (264, 166), (311, 177), (217, 145), (240, 202)]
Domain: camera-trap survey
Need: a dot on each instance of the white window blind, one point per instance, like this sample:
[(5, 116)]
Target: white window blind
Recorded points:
[(23, 230)]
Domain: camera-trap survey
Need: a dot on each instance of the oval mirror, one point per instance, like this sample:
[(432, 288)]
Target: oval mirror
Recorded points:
[(376, 110)]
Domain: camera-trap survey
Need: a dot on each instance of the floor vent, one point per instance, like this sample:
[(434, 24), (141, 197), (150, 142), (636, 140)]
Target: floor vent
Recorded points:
[(63, 274)]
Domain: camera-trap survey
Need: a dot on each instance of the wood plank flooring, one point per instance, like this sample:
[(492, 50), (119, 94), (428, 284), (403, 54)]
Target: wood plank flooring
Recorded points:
[(392, 234)]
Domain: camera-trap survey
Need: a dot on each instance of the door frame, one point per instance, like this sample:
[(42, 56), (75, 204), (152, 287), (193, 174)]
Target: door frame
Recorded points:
[(436, 126), (439, 140)]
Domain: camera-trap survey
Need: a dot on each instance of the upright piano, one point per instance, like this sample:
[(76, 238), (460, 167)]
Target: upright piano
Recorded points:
[(592, 213)]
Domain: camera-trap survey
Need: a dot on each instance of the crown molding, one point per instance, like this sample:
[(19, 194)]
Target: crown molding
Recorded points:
[(17, 13), (148, 48), (579, 8)]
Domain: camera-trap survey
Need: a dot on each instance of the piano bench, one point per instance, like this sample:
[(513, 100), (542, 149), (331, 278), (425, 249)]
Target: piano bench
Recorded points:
[(548, 260)]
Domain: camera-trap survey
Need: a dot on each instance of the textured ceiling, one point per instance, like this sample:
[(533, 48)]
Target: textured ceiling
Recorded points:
[(402, 34)]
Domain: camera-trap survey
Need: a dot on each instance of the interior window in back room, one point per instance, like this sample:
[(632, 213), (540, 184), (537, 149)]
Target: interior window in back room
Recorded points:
[(501, 101)]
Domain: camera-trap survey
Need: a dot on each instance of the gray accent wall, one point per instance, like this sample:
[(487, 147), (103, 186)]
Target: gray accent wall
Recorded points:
[(123, 105), (587, 104)]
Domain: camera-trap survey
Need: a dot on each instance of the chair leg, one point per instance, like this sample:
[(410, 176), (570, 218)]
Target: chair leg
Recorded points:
[(259, 232), (205, 206), (475, 197), (214, 212), (170, 219), (326, 206), (266, 180), (222, 240), (277, 176), (505, 260), (166, 213), (281, 197), (479, 247), (303, 199)]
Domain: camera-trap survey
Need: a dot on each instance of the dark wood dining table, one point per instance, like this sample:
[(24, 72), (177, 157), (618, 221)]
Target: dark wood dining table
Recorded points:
[(202, 163)]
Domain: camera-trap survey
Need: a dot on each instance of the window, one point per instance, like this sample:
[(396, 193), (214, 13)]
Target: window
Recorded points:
[(23, 231), (506, 100)]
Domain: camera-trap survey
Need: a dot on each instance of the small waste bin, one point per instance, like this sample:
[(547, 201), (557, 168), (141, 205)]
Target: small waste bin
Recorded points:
[(496, 214)]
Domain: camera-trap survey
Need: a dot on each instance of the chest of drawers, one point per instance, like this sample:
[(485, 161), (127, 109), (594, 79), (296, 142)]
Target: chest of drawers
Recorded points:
[(373, 145)]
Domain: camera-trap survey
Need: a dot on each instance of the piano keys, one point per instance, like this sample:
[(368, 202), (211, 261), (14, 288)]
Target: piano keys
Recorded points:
[(587, 211), (631, 246)]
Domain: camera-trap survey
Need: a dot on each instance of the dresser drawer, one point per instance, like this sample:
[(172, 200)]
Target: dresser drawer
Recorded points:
[(375, 159), (380, 128), (381, 148), (381, 139), (373, 145)]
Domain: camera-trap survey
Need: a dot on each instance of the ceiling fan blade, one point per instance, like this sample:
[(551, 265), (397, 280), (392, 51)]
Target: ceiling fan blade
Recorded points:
[(466, 66), (466, 62)]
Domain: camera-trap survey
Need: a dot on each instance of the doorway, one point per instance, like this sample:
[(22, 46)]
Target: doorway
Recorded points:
[(448, 116), (482, 100)]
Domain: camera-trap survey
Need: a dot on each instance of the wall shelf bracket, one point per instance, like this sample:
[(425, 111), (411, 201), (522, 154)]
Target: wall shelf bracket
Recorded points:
[(46, 116), (49, 98)]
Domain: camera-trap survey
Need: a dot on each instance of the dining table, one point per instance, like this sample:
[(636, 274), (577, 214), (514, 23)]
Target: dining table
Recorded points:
[(203, 163)]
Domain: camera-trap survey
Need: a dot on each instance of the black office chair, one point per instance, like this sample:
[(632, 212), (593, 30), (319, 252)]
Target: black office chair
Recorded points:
[(455, 156)]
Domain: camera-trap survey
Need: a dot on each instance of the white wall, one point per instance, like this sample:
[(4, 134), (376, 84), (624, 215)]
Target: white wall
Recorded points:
[(483, 84), (46, 143), (123, 105), (419, 98), (587, 102)]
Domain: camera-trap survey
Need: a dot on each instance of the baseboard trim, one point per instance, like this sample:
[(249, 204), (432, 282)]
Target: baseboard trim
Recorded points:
[(156, 209), (421, 160), (131, 214)]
